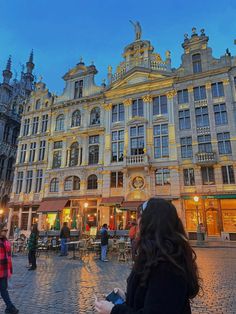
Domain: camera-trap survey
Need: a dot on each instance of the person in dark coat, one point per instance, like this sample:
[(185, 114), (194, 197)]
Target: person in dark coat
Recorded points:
[(32, 246), (165, 275), (5, 269), (104, 243), (64, 236)]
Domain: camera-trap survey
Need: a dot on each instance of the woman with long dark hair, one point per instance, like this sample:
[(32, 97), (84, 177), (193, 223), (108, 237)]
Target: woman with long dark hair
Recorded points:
[(165, 275), (32, 246)]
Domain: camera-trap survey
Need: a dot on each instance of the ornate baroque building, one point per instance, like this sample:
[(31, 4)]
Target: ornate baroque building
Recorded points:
[(93, 154), (13, 95)]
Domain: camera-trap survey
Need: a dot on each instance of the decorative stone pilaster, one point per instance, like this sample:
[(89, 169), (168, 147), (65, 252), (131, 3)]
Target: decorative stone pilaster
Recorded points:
[(127, 102), (29, 219), (170, 94), (20, 217)]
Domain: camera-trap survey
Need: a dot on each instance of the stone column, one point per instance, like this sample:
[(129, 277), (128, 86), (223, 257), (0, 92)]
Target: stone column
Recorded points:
[(148, 142), (171, 126), (40, 218), (20, 217), (106, 147), (10, 214), (127, 104), (29, 219)]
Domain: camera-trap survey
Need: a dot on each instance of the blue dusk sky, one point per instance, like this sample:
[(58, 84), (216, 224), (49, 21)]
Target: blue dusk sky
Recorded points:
[(60, 32)]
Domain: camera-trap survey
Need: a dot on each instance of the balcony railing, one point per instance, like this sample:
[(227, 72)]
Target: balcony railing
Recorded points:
[(203, 130), (206, 158), (137, 159)]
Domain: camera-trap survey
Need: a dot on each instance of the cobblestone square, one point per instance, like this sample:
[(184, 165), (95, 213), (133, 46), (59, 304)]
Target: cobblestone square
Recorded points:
[(61, 285)]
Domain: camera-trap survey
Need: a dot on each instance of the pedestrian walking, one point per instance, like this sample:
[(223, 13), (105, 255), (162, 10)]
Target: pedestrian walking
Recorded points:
[(64, 236), (165, 275), (32, 247), (5, 269), (104, 243), (132, 235)]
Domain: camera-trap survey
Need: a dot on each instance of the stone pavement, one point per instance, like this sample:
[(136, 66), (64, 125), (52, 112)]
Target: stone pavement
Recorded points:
[(64, 286)]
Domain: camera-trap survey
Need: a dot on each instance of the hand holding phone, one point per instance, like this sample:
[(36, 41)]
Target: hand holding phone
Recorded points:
[(115, 298)]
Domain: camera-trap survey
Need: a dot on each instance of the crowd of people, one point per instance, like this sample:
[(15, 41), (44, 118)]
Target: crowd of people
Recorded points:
[(164, 277)]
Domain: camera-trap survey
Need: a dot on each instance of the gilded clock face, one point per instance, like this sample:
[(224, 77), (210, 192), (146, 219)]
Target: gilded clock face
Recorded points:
[(138, 182)]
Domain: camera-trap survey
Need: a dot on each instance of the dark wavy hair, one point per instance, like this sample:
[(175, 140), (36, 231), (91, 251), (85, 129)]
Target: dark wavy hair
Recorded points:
[(162, 238)]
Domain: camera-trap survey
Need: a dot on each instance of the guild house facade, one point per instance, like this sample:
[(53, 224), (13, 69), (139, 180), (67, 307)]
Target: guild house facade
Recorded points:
[(93, 154)]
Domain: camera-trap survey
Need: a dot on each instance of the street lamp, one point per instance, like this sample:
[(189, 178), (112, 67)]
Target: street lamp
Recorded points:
[(199, 235)]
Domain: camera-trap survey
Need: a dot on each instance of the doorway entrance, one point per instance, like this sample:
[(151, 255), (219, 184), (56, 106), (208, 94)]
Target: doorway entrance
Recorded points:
[(212, 221)]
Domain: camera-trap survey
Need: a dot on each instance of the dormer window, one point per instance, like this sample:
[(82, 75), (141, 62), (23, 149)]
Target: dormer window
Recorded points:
[(78, 89), (38, 104), (197, 64)]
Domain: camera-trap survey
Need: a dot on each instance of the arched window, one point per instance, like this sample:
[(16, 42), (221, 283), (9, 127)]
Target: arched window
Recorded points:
[(95, 116), (54, 185), (38, 104), (76, 118), (46, 104), (92, 182), (2, 162), (6, 133), (60, 123), (72, 183), (197, 64), (20, 109), (74, 155)]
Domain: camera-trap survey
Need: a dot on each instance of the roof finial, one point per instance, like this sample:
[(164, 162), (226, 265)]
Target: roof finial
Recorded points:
[(8, 67), (31, 56), (194, 31), (137, 29)]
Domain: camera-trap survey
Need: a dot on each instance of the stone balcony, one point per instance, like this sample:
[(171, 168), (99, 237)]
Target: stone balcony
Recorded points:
[(206, 158), (203, 130), (134, 160)]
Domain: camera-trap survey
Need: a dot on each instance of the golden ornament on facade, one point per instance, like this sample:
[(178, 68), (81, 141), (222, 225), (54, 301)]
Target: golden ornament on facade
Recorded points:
[(226, 81), (107, 107), (208, 85), (147, 98), (190, 89), (128, 102), (138, 182), (171, 93)]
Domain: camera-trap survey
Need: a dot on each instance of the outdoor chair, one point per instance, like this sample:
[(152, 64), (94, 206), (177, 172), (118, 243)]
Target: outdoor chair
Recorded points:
[(122, 252)]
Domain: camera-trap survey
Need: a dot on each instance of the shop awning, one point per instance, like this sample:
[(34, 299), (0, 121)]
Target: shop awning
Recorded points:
[(131, 205), (111, 201), (53, 205)]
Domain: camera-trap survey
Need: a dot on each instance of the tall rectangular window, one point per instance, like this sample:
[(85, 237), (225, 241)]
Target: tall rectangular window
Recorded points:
[(228, 174), (117, 144), (118, 113), (117, 179), (217, 90), (197, 64), (42, 147), (161, 140), (208, 177), (23, 153), (35, 125), (19, 182), (26, 127), (182, 96), (57, 155), (162, 176), (137, 108), (202, 118), (39, 180), (189, 179), (78, 89), (32, 152), (224, 144), (160, 105), (220, 114), (199, 93), (204, 143), (44, 123), (184, 119), (29, 179), (137, 140), (186, 147), (93, 150)]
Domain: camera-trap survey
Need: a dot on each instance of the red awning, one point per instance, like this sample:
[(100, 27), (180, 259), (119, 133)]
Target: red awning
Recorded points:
[(131, 205), (109, 201), (53, 205)]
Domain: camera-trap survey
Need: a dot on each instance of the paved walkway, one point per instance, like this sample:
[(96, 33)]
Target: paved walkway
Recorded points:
[(64, 286)]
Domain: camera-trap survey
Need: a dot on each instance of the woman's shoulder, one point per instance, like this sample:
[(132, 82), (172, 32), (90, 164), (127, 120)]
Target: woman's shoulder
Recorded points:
[(166, 270)]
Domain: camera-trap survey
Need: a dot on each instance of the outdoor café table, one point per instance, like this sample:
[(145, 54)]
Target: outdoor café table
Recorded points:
[(74, 243)]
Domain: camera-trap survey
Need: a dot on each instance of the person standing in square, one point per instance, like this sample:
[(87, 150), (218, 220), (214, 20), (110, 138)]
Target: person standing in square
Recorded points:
[(104, 243)]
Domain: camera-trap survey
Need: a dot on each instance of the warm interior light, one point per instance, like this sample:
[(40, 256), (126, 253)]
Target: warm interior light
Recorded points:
[(196, 199), (1, 211), (85, 205)]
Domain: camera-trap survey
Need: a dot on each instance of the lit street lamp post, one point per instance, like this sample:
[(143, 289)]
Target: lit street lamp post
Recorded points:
[(199, 233)]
